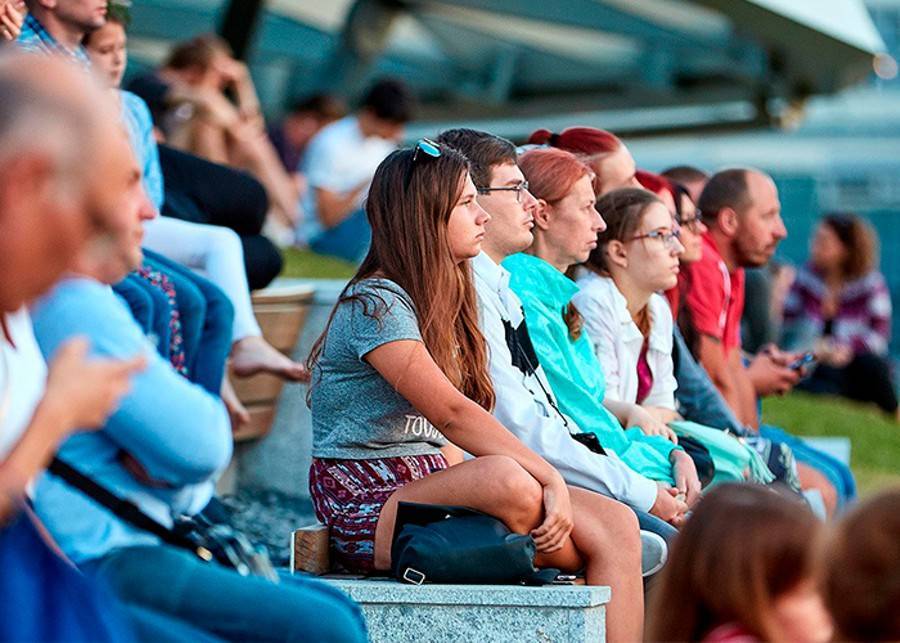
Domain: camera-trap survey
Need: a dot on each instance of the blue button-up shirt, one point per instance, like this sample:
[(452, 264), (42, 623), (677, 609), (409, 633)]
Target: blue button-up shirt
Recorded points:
[(34, 37)]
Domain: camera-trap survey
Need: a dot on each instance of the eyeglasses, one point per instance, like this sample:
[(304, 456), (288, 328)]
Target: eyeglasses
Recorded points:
[(428, 148), (693, 223), (519, 189), (669, 237)]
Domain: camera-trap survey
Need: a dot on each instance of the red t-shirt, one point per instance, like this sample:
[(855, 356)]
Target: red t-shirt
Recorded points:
[(716, 297)]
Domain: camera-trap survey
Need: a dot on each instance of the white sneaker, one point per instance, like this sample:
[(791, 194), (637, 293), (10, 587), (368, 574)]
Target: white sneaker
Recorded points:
[(654, 553)]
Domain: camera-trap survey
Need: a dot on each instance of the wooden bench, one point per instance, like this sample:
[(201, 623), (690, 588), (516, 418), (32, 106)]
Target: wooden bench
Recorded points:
[(281, 312)]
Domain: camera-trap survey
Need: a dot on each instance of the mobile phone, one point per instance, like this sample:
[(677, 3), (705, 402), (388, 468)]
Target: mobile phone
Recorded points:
[(804, 360), (564, 579)]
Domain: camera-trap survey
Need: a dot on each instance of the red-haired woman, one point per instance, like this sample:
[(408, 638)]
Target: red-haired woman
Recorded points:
[(402, 368), (602, 151), (565, 232)]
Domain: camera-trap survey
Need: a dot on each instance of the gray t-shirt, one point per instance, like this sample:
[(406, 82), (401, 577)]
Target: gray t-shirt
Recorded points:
[(356, 413)]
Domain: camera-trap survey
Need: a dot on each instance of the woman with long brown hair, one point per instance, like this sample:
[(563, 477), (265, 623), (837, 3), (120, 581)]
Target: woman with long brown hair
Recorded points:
[(742, 570), (839, 306), (402, 369)]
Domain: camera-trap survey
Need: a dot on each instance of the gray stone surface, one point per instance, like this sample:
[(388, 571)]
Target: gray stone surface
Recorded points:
[(280, 461), (397, 612)]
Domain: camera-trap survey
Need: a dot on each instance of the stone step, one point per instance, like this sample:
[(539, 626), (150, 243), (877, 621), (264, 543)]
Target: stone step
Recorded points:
[(400, 613)]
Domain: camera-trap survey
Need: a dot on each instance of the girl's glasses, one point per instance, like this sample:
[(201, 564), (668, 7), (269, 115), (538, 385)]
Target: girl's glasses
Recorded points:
[(669, 237), (692, 223)]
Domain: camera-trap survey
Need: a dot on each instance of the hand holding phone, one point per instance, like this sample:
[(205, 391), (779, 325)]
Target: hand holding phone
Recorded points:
[(807, 359)]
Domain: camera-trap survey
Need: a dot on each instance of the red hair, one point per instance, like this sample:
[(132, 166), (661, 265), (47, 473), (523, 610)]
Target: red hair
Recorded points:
[(656, 183), (552, 173), (590, 144), (578, 140)]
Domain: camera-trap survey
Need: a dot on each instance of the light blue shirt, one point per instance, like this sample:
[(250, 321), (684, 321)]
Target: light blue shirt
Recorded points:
[(174, 428), (139, 123)]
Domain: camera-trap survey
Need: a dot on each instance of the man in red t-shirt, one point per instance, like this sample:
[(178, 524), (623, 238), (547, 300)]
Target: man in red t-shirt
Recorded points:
[(743, 213)]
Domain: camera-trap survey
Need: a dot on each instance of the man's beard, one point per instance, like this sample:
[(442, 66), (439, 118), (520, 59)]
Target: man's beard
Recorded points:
[(748, 258)]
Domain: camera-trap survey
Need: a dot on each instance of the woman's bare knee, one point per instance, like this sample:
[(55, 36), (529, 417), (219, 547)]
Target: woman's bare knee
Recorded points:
[(517, 497), (602, 522)]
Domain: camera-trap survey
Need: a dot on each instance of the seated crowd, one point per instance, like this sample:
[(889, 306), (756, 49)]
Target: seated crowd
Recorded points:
[(547, 335)]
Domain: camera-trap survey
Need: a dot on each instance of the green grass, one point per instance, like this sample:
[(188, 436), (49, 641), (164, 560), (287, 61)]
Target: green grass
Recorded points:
[(875, 439), (303, 264)]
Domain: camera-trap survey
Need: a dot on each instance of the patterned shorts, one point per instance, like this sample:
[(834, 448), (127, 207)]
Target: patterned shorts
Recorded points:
[(348, 496)]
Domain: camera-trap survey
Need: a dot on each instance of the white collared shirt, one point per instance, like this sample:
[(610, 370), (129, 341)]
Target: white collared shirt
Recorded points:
[(525, 405), (618, 341)]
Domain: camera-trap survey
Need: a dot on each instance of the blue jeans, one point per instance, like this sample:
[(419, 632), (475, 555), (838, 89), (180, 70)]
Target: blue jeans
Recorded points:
[(698, 398), (223, 603), (207, 318), (649, 522), (350, 239), (150, 309), (837, 473)]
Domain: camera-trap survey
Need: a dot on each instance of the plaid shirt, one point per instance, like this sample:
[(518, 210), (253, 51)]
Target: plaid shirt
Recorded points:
[(34, 37), (862, 320)]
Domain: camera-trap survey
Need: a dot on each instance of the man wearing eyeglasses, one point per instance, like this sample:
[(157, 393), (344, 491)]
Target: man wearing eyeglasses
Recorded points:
[(525, 403)]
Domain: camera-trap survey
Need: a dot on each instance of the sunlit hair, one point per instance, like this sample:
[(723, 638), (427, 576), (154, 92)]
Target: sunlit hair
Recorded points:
[(590, 144), (408, 208), (858, 239), (552, 174), (743, 548), (198, 52)]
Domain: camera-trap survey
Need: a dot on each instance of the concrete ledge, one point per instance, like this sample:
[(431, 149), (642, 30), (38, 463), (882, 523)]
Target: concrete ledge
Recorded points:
[(401, 613)]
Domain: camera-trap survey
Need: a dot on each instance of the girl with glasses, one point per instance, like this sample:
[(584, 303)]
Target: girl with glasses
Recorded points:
[(401, 371), (631, 328)]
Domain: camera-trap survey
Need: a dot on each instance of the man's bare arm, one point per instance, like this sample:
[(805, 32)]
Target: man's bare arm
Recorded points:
[(334, 207)]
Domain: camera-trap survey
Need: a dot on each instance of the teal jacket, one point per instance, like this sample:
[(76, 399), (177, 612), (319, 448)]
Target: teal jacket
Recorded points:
[(573, 371)]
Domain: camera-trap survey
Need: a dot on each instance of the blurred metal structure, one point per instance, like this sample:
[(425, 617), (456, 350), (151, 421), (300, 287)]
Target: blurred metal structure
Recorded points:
[(639, 65)]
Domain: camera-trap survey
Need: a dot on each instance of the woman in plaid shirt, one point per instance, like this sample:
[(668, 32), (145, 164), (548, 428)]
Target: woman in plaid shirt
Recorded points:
[(839, 307)]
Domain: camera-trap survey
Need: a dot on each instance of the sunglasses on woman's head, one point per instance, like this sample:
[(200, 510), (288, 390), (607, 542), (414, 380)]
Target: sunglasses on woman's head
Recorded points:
[(425, 148), (428, 147)]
